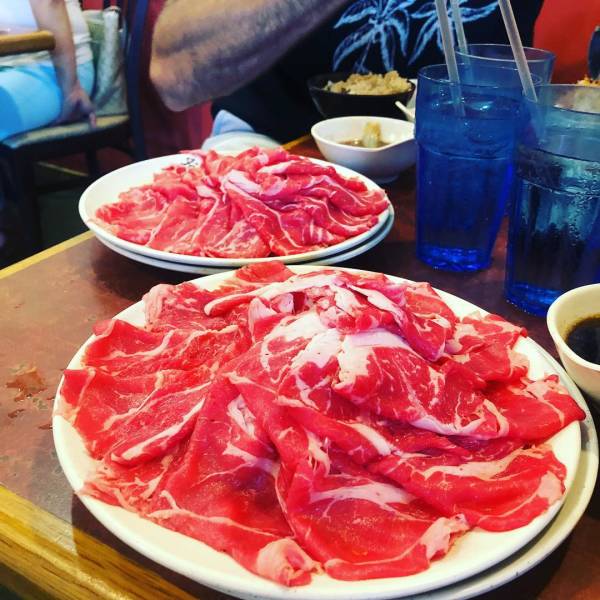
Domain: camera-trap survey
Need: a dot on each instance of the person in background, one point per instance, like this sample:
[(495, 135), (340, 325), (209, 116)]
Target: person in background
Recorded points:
[(42, 88), (253, 57)]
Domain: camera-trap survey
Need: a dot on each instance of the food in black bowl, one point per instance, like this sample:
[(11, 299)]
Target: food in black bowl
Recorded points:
[(344, 94)]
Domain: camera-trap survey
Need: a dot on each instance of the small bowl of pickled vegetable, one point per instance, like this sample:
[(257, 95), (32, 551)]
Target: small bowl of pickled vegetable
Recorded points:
[(378, 147)]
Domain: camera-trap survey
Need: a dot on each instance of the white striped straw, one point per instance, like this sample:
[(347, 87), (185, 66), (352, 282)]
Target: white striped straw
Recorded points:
[(458, 26), (517, 48)]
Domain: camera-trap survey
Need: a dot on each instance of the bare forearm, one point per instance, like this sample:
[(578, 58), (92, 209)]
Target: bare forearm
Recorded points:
[(203, 49), (52, 15)]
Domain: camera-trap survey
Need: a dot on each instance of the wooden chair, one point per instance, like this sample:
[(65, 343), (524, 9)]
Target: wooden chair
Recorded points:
[(19, 153)]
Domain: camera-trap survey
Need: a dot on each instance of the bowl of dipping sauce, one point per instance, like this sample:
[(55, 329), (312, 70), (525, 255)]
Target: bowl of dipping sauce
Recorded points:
[(378, 147), (574, 324), (351, 94)]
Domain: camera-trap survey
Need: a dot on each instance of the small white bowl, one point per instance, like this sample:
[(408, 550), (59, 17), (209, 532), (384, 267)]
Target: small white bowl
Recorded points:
[(379, 164), (567, 310)]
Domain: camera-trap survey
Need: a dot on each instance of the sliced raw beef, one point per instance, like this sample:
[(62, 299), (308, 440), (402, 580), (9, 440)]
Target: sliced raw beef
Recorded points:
[(494, 361), (182, 306), (327, 421), (485, 345), (223, 493), (285, 232), (131, 487), (501, 486), (334, 508), (379, 371), (125, 350), (135, 216), (241, 241), (176, 229), (423, 318), (168, 307), (260, 203), (133, 419), (535, 410), (474, 331)]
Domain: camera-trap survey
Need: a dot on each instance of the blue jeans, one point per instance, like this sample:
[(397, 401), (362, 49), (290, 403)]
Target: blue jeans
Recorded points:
[(30, 96)]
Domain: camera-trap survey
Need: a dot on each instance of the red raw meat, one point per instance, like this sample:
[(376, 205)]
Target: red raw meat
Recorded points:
[(175, 230), (133, 419), (330, 420), (285, 232), (423, 318), (125, 350), (535, 410), (335, 508), (258, 203), (223, 493), (182, 306), (485, 345), (500, 487), (379, 371), (130, 487), (135, 216)]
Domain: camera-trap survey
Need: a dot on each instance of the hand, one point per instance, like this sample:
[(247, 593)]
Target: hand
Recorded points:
[(76, 105)]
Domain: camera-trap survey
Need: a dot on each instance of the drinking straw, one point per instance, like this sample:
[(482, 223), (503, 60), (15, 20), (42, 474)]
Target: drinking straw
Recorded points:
[(517, 47), (449, 55), (442, 13), (458, 26)]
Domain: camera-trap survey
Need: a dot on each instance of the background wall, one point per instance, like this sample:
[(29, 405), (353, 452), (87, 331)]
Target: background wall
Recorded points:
[(566, 27)]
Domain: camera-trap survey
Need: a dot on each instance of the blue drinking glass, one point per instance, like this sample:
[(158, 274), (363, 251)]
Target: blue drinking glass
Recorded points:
[(465, 136), (541, 62), (554, 232)]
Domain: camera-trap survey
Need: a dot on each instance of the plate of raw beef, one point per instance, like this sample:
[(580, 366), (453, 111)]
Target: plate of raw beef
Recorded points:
[(332, 259), (222, 211), (310, 432)]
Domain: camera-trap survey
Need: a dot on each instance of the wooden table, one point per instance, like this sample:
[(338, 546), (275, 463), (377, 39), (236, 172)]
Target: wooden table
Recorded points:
[(50, 545), (19, 42)]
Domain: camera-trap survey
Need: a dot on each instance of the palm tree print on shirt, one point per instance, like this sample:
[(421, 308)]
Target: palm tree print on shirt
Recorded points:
[(385, 27)]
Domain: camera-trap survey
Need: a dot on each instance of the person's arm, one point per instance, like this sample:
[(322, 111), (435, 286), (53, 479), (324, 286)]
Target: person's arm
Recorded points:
[(52, 15), (203, 49)]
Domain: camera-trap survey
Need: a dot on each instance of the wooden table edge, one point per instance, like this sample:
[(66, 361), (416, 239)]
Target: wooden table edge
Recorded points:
[(44, 254), (62, 561)]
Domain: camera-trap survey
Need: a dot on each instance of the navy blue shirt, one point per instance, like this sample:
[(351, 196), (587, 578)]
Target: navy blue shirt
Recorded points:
[(365, 35)]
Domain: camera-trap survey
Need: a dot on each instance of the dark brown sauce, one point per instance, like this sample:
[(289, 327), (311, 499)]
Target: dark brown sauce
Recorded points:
[(359, 144), (584, 339)]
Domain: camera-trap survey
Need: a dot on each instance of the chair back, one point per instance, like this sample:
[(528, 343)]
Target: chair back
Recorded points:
[(133, 15)]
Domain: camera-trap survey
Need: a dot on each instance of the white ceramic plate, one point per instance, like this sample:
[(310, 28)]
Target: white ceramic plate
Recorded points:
[(106, 190), (199, 270), (472, 554)]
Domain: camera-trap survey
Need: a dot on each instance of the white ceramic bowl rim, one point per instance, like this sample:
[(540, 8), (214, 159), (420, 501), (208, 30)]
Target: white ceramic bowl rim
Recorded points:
[(553, 329), (399, 123)]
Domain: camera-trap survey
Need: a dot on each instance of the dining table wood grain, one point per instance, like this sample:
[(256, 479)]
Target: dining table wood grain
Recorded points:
[(50, 544)]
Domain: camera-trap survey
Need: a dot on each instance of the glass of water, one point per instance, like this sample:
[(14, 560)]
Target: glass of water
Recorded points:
[(465, 137), (554, 233), (541, 62)]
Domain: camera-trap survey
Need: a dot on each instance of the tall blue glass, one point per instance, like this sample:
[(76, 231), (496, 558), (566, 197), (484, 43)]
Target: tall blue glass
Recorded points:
[(554, 233), (465, 136), (541, 62)]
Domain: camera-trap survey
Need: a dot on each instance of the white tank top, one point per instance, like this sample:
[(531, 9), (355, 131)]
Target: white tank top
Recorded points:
[(17, 14)]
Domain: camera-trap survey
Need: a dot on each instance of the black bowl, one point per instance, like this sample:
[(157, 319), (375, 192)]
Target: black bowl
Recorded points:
[(336, 104)]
